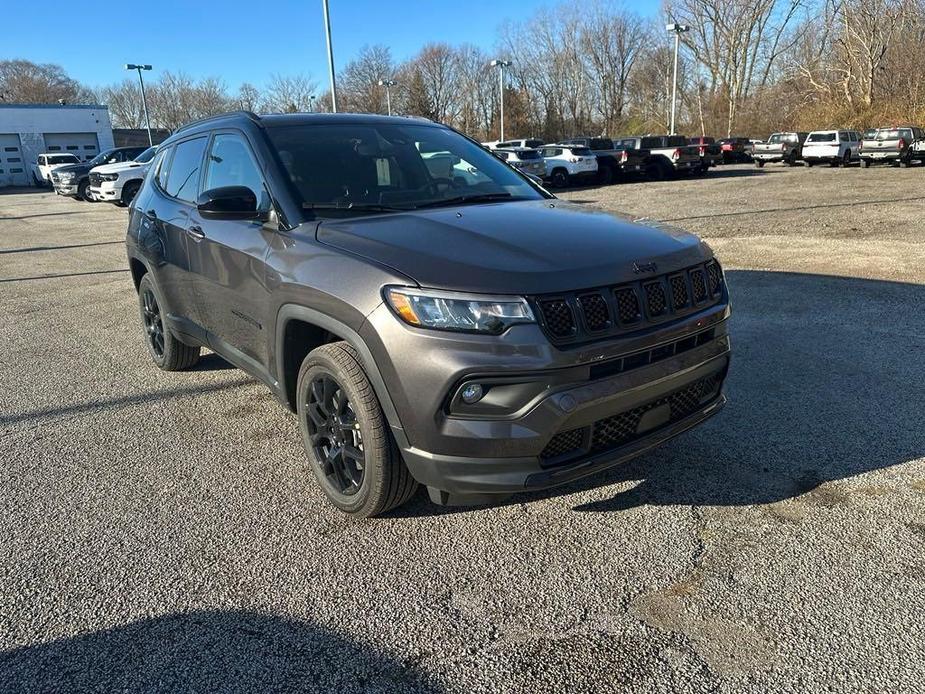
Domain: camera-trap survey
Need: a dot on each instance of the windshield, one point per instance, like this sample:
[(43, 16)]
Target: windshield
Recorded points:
[(346, 168), (821, 137), (63, 159), (893, 134), (146, 156)]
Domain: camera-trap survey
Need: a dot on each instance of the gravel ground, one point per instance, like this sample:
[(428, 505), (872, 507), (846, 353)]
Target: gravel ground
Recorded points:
[(161, 532)]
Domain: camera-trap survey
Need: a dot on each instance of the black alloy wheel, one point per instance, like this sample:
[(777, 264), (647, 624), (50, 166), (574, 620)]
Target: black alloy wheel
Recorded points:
[(153, 323), (335, 436)]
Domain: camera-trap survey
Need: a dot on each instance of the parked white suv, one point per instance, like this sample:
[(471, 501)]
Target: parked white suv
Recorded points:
[(48, 162), (118, 183), (526, 160), (831, 146), (565, 163), (529, 143)]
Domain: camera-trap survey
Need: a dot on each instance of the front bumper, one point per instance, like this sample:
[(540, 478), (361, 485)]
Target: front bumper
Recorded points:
[(65, 189), (106, 191), (563, 391)]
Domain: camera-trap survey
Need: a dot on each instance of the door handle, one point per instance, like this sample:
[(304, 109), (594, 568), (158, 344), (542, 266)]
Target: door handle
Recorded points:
[(196, 233)]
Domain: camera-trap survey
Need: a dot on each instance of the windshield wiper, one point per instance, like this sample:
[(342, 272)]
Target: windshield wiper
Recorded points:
[(463, 199), (352, 207)]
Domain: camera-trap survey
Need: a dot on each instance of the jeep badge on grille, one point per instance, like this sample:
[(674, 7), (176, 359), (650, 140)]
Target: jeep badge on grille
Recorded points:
[(644, 267)]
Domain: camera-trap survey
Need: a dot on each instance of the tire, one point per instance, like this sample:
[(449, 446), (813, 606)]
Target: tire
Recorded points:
[(808, 163), (129, 191), (846, 160), (791, 159), (759, 163), (559, 178), (605, 175), (338, 409), (903, 163), (83, 191), (167, 352), (865, 163)]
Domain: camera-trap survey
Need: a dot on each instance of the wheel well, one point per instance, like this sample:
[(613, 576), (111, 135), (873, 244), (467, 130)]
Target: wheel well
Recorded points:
[(300, 338), (138, 271), (560, 168)]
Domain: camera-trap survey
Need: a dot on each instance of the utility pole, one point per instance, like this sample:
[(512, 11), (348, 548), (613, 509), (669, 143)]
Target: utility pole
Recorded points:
[(501, 64), (144, 98), (327, 33), (677, 30), (388, 84)]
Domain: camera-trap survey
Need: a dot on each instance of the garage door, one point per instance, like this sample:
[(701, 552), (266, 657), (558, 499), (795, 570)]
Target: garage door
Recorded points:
[(13, 171), (84, 145)]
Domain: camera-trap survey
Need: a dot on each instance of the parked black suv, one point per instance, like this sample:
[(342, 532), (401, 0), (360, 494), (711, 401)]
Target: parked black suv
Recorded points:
[(469, 332), (74, 180)]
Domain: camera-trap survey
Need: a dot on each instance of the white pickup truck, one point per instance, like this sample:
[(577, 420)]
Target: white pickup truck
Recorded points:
[(119, 183), (48, 162)]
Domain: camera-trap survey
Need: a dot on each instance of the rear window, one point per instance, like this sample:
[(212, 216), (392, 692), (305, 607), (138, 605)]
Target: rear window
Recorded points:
[(581, 151), (533, 143), (821, 137), (601, 143), (64, 159), (527, 154), (894, 134), (777, 138)]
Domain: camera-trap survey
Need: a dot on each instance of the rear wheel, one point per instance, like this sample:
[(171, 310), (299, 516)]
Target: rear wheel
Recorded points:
[(846, 159), (346, 436), (808, 162), (165, 349), (865, 163), (903, 163), (759, 163), (791, 159), (605, 175), (559, 178)]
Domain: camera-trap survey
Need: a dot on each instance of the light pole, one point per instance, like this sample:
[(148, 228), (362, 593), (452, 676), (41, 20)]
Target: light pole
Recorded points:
[(388, 84), (501, 64), (144, 99), (327, 33), (677, 30), (311, 103)]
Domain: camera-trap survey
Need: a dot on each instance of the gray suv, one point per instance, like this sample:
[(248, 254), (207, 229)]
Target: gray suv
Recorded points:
[(466, 331)]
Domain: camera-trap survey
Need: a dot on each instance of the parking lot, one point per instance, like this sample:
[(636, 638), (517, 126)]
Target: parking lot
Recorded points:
[(162, 530)]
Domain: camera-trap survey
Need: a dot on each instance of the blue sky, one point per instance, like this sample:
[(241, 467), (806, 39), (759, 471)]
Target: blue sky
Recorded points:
[(244, 41)]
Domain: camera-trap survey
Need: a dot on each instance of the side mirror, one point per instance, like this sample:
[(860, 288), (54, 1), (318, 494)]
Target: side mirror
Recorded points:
[(228, 202)]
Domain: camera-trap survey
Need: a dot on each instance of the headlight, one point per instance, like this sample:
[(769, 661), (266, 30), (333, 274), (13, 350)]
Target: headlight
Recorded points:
[(109, 177), (430, 308), (66, 177)]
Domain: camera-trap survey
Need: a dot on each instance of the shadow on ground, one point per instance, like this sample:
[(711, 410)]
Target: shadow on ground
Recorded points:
[(826, 383), (208, 652)]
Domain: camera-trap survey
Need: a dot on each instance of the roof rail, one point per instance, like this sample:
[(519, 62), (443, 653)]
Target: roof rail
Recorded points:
[(250, 115)]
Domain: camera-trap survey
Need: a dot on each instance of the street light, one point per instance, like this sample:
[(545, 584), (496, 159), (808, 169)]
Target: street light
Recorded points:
[(388, 84), (677, 30), (501, 64), (311, 103), (144, 99), (327, 33)]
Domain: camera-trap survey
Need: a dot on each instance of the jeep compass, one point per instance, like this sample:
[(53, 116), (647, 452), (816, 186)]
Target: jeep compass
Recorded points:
[(430, 314)]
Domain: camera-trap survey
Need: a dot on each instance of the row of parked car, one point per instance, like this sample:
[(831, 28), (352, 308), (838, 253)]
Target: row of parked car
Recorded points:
[(607, 160), (113, 176)]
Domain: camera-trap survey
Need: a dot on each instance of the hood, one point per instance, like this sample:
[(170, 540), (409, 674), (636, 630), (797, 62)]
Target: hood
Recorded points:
[(531, 247), (78, 169), (119, 167)]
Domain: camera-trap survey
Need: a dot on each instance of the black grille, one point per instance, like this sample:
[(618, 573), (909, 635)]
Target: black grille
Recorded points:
[(558, 317), (679, 297), (622, 428), (597, 315), (716, 277), (605, 311), (627, 305), (656, 303), (95, 179), (562, 443)]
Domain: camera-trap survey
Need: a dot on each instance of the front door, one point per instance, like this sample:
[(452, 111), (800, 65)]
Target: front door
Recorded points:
[(228, 257)]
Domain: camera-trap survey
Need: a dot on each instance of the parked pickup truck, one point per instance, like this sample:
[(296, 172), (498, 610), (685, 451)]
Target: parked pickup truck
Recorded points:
[(900, 145), (614, 161), (667, 155), (711, 153), (785, 147)]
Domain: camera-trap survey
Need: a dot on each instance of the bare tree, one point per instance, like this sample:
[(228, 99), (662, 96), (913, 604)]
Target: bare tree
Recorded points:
[(125, 105), (358, 84), (289, 94), (25, 82)]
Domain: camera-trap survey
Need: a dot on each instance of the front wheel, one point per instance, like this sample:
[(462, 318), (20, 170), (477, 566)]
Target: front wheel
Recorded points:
[(759, 163), (166, 351), (559, 178), (346, 435), (83, 191), (129, 191)]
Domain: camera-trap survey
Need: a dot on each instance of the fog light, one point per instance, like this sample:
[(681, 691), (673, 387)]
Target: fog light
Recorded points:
[(472, 393)]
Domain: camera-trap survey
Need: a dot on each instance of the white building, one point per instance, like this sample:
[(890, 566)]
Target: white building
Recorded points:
[(28, 130)]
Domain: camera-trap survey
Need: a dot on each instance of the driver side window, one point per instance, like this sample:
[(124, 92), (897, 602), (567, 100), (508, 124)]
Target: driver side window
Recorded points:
[(231, 163)]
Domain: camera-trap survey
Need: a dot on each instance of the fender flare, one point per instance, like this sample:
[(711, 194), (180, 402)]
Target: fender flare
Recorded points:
[(288, 312)]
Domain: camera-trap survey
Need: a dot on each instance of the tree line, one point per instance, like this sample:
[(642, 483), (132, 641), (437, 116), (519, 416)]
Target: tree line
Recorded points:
[(747, 67)]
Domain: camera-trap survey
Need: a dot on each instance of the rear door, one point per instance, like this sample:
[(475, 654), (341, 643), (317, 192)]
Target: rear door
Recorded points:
[(228, 257)]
